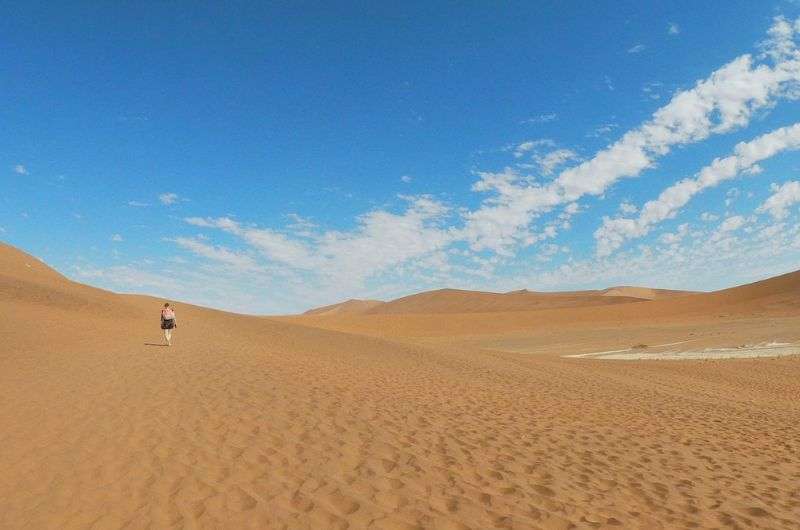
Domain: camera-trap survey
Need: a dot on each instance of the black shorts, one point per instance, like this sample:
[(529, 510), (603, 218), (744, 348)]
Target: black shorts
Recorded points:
[(168, 324)]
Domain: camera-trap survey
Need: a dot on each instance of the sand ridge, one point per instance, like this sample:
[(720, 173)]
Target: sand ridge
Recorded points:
[(462, 301), (350, 307), (449, 301), (251, 422), (645, 293)]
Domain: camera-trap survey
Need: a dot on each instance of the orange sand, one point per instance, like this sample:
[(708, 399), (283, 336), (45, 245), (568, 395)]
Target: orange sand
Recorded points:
[(392, 421)]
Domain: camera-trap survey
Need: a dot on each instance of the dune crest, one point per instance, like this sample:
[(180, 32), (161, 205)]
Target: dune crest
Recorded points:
[(463, 301), (349, 307), (645, 293)]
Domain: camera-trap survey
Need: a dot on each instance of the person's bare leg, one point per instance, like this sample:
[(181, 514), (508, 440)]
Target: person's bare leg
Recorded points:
[(168, 336)]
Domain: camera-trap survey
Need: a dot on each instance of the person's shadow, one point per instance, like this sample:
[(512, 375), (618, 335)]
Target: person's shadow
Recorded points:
[(153, 344)]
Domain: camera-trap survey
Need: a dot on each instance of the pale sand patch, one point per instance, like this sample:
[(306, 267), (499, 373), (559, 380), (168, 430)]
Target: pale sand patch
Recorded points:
[(604, 354), (774, 349)]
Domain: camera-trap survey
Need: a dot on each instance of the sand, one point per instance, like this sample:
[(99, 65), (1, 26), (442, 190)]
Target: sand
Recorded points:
[(414, 421), (665, 352), (349, 307), (456, 301)]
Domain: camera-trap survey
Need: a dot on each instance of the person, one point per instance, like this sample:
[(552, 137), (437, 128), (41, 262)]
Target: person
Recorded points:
[(168, 322)]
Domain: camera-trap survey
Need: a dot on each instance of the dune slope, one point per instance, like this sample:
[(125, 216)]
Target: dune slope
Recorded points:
[(458, 301), (259, 423), (774, 298), (349, 307), (645, 293), (461, 301)]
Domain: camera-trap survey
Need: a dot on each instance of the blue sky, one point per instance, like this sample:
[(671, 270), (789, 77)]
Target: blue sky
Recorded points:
[(270, 159)]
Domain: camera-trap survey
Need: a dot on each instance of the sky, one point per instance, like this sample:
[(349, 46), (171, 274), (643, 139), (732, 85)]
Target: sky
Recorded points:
[(268, 158)]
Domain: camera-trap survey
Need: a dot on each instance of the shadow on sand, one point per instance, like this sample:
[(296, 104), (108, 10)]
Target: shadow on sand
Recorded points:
[(154, 344)]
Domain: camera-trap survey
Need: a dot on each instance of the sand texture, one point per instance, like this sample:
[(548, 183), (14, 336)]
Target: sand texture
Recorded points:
[(436, 420), (459, 301), (350, 307)]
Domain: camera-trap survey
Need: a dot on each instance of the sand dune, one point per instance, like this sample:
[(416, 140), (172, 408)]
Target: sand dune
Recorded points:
[(459, 301), (645, 293), (266, 423), (462, 301), (349, 307), (772, 298)]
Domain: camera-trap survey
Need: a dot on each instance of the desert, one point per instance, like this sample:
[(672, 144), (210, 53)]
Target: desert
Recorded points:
[(400, 265), (468, 420)]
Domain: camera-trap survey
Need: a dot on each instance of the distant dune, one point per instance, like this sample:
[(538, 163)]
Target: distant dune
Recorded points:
[(644, 293), (458, 301), (430, 415), (462, 301), (426, 317), (350, 307)]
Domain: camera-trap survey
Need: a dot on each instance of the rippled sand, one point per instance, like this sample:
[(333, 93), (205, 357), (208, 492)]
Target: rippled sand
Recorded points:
[(277, 423)]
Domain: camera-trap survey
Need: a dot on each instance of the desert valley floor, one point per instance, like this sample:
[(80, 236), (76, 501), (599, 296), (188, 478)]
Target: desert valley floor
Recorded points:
[(448, 410)]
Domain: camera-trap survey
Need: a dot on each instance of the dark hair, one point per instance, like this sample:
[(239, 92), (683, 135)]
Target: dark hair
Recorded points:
[(166, 305)]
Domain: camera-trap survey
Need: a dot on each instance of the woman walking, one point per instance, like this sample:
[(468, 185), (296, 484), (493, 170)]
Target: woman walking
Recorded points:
[(168, 322)]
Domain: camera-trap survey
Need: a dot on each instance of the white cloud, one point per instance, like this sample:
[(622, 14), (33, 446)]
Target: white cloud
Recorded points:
[(603, 130), (19, 169), (382, 240), (548, 251), (220, 254), (531, 145), (732, 194), (628, 208), (614, 232), (300, 225), (502, 221), (652, 90), (637, 48), (779, 43), (708, 217), (783, 197), (168, 198), (127, 275), (673, 28), (137, 204), (116, 238), (224, 223), (676, 237), (724, 101), (279, 247), (406, 178), (727, 227), (524, 147), (542, 118), (215, 284), (570, 210), (731, 224), (697, 263), (273, 245), (549, 161), (756, 251)]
